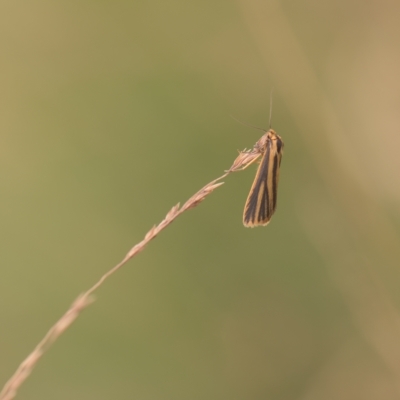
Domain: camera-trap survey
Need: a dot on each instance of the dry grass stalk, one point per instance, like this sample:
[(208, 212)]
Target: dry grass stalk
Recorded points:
[(9, 390)]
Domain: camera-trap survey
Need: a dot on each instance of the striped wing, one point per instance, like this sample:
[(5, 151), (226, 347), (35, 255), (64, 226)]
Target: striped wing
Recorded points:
[(261, 202)]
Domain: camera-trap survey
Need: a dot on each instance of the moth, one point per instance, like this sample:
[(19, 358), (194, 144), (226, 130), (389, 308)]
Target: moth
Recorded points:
[(261, 201)]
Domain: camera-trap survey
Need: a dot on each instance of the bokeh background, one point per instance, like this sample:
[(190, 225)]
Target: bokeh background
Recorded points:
[(114, 111)]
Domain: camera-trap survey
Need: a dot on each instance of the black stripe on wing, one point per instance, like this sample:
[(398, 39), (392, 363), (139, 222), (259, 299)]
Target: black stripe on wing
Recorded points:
[(257, 208)]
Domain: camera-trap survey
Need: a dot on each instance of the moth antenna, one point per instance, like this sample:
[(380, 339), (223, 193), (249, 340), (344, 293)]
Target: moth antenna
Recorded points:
[(270, 108), (246, 124)]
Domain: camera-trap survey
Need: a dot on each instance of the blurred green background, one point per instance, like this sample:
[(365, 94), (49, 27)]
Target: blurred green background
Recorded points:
[(114, 111)]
